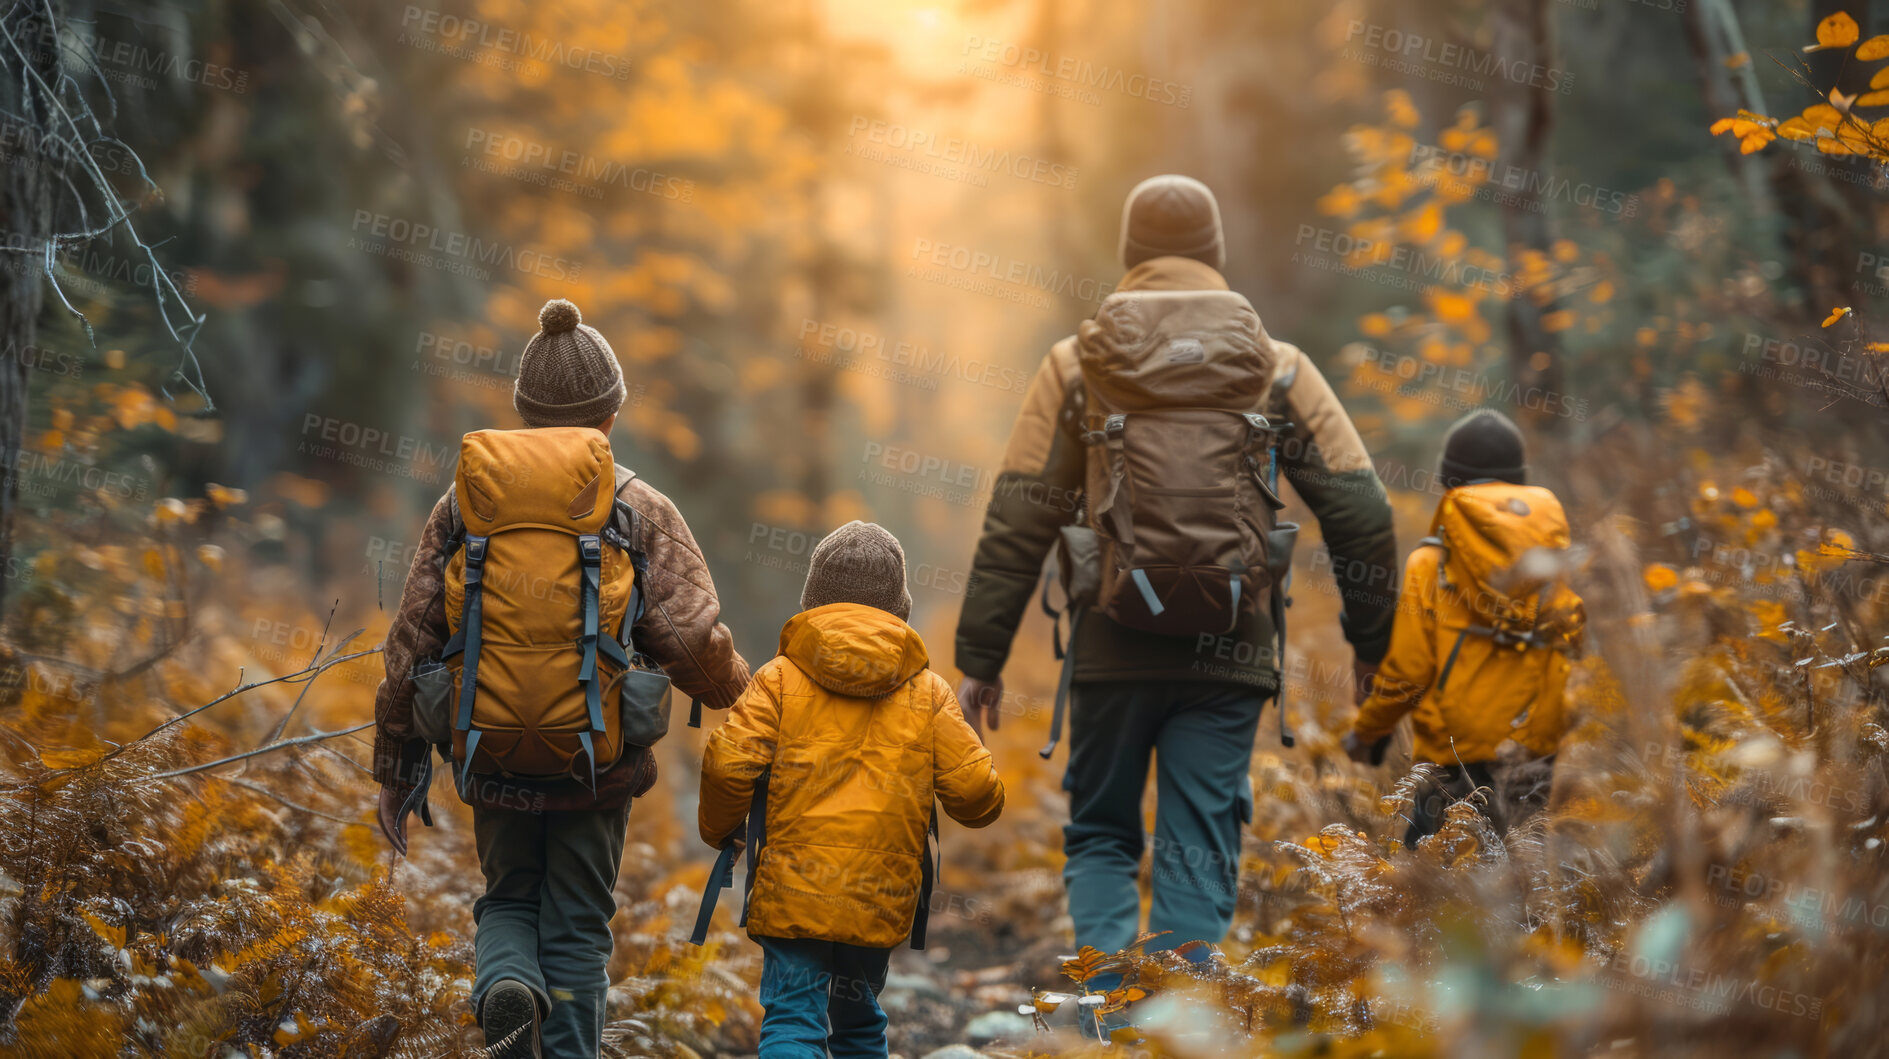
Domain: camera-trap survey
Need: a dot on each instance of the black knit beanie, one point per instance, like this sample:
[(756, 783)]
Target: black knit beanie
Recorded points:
[(1483, 444)]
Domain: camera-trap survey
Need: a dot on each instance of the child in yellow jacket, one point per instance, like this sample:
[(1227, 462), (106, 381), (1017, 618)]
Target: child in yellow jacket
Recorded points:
[(1485, 626), (839, 746)]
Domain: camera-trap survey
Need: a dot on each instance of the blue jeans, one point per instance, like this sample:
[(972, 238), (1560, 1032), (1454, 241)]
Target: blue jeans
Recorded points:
[(1200, 736), (821, 996), (550, 890)]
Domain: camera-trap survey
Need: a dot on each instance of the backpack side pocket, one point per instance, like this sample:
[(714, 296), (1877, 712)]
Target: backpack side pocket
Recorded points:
[(1079, 562), (432, 702), (644, 701)]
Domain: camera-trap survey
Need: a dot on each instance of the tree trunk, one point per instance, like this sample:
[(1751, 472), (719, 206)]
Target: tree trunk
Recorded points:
[(1522, 117), (1713, 36), (1828, 202), (26, 218)]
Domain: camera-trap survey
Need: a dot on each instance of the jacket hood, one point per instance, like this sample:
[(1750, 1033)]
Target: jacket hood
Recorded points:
[(1172, 273), (854, 650), (1502, 539)]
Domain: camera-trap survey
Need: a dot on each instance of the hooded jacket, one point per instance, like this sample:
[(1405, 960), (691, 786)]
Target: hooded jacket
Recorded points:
[(1039, 489), (1491, 563), (858, 737)]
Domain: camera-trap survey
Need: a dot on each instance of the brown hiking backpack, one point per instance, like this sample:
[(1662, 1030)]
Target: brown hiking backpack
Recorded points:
[(1181, 478), (1179, 534), (536, 595)]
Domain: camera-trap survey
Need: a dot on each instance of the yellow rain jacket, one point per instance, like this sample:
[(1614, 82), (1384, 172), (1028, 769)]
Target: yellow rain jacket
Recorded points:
[(859, 737), (1484, 630)]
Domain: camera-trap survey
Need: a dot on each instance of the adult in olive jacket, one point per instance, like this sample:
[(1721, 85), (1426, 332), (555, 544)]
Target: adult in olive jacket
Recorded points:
[(1193, 702)]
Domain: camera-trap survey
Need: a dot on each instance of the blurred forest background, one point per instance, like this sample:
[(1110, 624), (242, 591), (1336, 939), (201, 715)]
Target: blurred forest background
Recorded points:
[(265, 262)]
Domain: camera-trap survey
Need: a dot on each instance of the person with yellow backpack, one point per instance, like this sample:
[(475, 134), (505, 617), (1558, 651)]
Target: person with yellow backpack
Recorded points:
[(1485, 627), (553, 597), (828, 773)]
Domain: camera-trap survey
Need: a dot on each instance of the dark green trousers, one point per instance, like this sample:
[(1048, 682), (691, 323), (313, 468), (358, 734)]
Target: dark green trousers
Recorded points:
[(1200, 737), (550, 882)]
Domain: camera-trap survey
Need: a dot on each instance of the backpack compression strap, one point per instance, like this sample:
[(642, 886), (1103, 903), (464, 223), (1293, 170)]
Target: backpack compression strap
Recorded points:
[(1121, 522), (1502, 637), (590, 552), (1067, 656), (630, 538), (1279, 632), (1055, 616), (467, 640), (1063, 684), (1261, 427), (722, 875)]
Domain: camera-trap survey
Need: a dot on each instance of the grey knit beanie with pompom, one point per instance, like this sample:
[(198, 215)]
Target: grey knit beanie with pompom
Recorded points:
[(568, 376)]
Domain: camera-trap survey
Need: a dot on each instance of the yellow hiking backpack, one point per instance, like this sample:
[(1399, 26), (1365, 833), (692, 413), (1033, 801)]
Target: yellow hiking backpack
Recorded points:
[(1507, 621), (537, 593)]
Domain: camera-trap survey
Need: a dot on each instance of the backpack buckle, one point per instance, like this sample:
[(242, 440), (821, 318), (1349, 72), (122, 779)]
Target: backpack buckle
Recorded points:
[(1510, 638), (591, 547), (1111, 430)]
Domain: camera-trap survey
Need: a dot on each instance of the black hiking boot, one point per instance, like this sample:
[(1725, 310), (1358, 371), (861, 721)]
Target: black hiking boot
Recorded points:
[(509, 1017)]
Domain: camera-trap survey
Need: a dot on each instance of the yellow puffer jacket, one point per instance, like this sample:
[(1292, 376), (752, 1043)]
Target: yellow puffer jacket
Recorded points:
[(1485, 627), (860, 736)]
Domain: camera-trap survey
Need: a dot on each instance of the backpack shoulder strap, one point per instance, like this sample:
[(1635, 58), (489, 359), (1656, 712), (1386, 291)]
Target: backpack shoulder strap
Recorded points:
[(722, 875), (625, 532), (927, 877), (625, 525), (1284, 380), (456, 524)]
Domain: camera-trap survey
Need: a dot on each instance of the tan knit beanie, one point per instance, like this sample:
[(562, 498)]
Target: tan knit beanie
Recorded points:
[(858, 563), (568, 376), (1175, 216)]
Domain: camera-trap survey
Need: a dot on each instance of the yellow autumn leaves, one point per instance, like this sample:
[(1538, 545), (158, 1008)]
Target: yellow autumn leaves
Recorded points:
[(1833, 126)]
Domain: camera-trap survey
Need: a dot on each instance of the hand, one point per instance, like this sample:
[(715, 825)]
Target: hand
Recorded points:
[(1363, 679), (393, 823), (982, 701), (643, 776), (1356, 748), (738, 838)]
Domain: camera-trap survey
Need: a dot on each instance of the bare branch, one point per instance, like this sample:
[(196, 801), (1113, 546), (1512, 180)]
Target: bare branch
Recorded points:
[(285, 744)]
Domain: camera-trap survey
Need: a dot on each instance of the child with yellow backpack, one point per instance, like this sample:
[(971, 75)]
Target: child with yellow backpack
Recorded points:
[(1486, 625)]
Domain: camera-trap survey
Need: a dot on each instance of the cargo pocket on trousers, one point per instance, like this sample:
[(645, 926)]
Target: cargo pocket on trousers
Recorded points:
[(1243, 803)]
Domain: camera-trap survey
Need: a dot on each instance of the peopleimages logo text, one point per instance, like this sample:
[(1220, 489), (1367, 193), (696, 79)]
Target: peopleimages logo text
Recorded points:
[(461, 246), (471, 33), (1453, 56)]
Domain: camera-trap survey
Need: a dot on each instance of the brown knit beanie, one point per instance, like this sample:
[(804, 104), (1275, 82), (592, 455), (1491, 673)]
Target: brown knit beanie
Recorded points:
[(858, 563), (1172, 215), (568, 376)]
